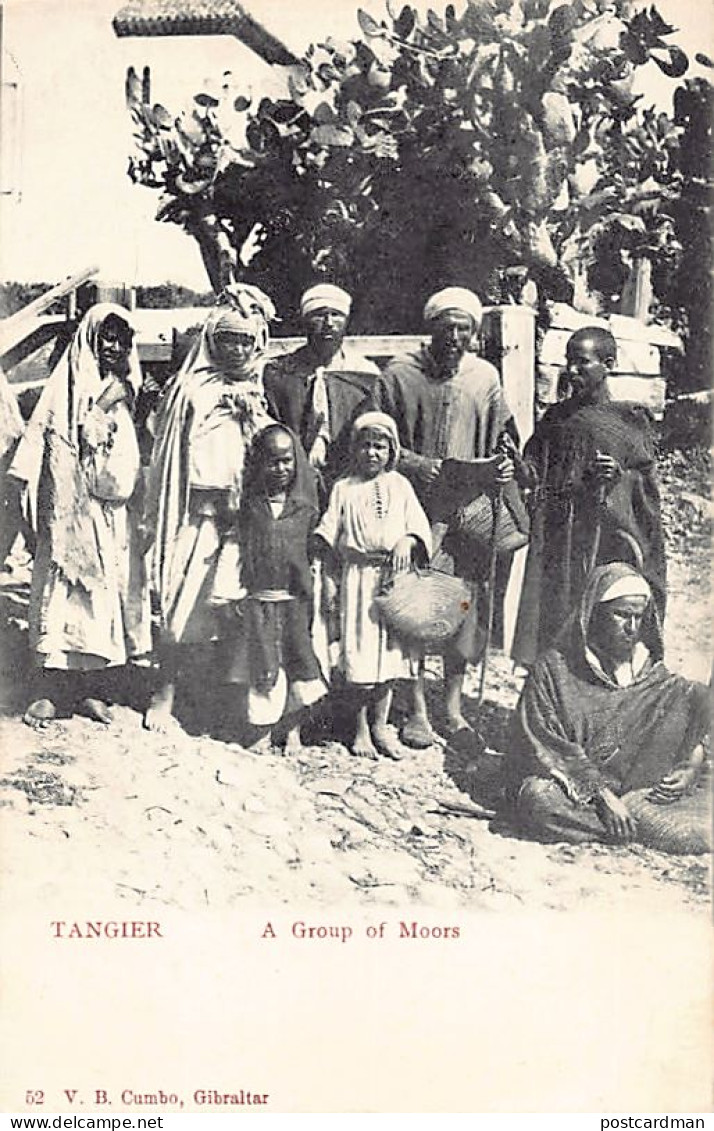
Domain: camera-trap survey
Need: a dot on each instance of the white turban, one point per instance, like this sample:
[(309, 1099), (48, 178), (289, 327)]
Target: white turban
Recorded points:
[(325, 296), (454, 298), (631, 586)]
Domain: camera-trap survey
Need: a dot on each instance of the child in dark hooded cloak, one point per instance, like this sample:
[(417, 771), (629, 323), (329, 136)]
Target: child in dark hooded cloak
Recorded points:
[(271, 650)]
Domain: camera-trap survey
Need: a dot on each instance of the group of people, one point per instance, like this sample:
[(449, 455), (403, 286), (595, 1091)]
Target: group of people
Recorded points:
[(283, 496)]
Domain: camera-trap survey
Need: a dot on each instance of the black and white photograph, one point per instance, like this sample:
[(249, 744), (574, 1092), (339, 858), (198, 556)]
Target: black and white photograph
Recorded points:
[(355, 526)]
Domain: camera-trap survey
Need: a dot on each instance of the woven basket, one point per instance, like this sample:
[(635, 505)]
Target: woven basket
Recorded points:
[(425, 606), (683, 828), (475, 520)]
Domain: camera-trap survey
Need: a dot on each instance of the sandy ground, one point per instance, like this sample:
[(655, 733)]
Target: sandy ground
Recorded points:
[(194, 820)]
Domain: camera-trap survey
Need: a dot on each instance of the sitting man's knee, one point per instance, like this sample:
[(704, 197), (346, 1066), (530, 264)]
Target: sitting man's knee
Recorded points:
[(537, 800)]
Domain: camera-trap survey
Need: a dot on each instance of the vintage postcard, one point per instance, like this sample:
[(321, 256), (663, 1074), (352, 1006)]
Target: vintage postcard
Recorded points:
[(355, 579)]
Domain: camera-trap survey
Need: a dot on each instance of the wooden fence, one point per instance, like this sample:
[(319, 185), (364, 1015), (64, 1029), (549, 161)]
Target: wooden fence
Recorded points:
[(507, 339)]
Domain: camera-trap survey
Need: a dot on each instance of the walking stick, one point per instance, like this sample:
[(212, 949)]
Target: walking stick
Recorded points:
[(601, 493), (497, 507)]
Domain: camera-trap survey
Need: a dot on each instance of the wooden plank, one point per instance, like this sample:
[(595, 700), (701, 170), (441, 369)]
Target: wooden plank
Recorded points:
[(44, 328), (648, 391), (644, 388), (154, 351), (633, 356), (638, 358), (19, 324), (631, 330), (157, 346)]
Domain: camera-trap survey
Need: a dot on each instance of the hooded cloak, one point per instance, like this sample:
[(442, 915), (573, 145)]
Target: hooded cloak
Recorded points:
[(59, 453), (190, 450), (89, 598), (579, 730)]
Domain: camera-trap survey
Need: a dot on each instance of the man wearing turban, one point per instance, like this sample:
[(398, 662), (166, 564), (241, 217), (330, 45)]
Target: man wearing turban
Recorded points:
[(449, 405), (319, 389)]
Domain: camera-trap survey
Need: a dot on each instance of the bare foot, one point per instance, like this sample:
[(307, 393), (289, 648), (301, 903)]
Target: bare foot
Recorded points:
[(158, 716), (456, 723), (417, 733), (386, 743), (160, 720), (262, 745), (363, 747), (96, 710), (293, 744), (40, 713)]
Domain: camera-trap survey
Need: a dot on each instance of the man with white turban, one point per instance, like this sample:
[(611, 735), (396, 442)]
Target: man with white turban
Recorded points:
[(449, 405), (319, 389)]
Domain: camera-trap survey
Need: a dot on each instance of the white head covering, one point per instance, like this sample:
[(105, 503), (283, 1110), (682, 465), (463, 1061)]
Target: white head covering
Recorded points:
[(239, 309), (454, 298), (378, 422), (324, 295), (631, 586), (70, 390), (49, 451), (242, 308)]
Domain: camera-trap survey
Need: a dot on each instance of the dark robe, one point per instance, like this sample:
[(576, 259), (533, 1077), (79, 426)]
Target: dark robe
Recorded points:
[(274, 556), (577, 731), (575, 524), (350, 392)]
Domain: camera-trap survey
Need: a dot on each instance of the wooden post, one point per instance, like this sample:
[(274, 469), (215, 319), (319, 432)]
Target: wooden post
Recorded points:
[(509, 332), (510, 335), (636, 298)]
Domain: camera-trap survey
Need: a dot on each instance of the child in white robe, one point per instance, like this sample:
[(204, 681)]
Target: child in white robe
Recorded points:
[(374, 525)]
